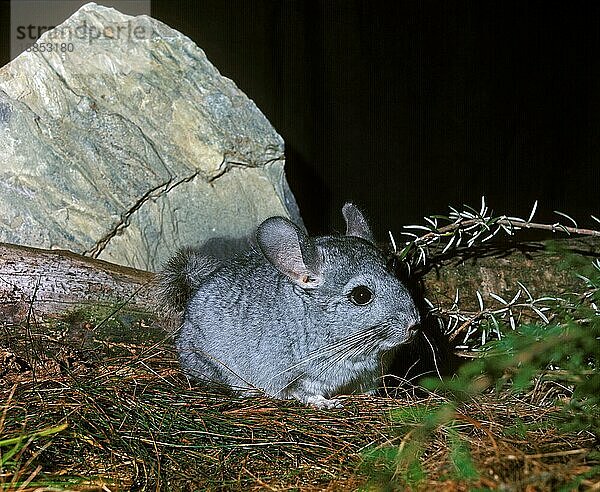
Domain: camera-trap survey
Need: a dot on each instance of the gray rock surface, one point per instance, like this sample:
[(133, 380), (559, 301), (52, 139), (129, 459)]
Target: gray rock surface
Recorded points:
[(125, 143)]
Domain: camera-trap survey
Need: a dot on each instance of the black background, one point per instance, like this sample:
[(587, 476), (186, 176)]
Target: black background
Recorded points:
[(408, 107)]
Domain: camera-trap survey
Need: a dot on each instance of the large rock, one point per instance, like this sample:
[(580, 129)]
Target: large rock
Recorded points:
[(128, 144)]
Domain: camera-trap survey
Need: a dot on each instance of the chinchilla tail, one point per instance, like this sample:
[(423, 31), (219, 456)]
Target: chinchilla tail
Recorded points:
[(181, 276)]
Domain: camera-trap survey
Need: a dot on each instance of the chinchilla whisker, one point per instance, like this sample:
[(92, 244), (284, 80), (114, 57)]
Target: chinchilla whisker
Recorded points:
[(333, 348), (347, 341), (281, 390), (356, 337), (221, 363), (365, 346), (328, 362), (437, 370), (320, 354), (339, 355), (356, 346), (347, 352), (340, 350), (334, 363)]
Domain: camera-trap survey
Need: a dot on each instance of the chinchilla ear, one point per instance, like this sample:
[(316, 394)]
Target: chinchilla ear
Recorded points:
[(356, 224), (291, 251)]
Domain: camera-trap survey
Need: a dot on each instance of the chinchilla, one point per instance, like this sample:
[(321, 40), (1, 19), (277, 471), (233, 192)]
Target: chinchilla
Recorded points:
[(295, 316)]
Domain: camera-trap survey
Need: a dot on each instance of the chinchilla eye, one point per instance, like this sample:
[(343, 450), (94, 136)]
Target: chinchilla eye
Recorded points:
[(361, 295)]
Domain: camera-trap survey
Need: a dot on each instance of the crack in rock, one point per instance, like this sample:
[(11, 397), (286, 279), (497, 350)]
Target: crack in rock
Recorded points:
[(153, 193)]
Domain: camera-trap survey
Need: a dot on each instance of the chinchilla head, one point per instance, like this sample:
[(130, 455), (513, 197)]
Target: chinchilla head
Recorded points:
[(350, 297)]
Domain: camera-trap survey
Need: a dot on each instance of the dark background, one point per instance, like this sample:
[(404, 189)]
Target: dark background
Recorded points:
[(408, 107)]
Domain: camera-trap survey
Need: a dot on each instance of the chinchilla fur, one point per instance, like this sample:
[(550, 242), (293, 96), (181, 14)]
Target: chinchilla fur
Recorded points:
[(295, 316)]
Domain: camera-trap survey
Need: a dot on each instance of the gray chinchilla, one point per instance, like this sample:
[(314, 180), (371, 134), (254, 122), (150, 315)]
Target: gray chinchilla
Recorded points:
[(295, 316)]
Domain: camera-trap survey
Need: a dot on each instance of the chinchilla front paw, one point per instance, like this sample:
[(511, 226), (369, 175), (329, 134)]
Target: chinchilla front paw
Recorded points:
[(320, 401)]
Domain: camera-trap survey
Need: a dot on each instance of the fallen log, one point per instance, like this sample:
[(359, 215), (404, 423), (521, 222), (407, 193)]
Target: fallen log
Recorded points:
[(47, 283)]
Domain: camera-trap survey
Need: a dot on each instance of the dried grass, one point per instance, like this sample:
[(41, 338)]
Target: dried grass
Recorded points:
[(115, 413)]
